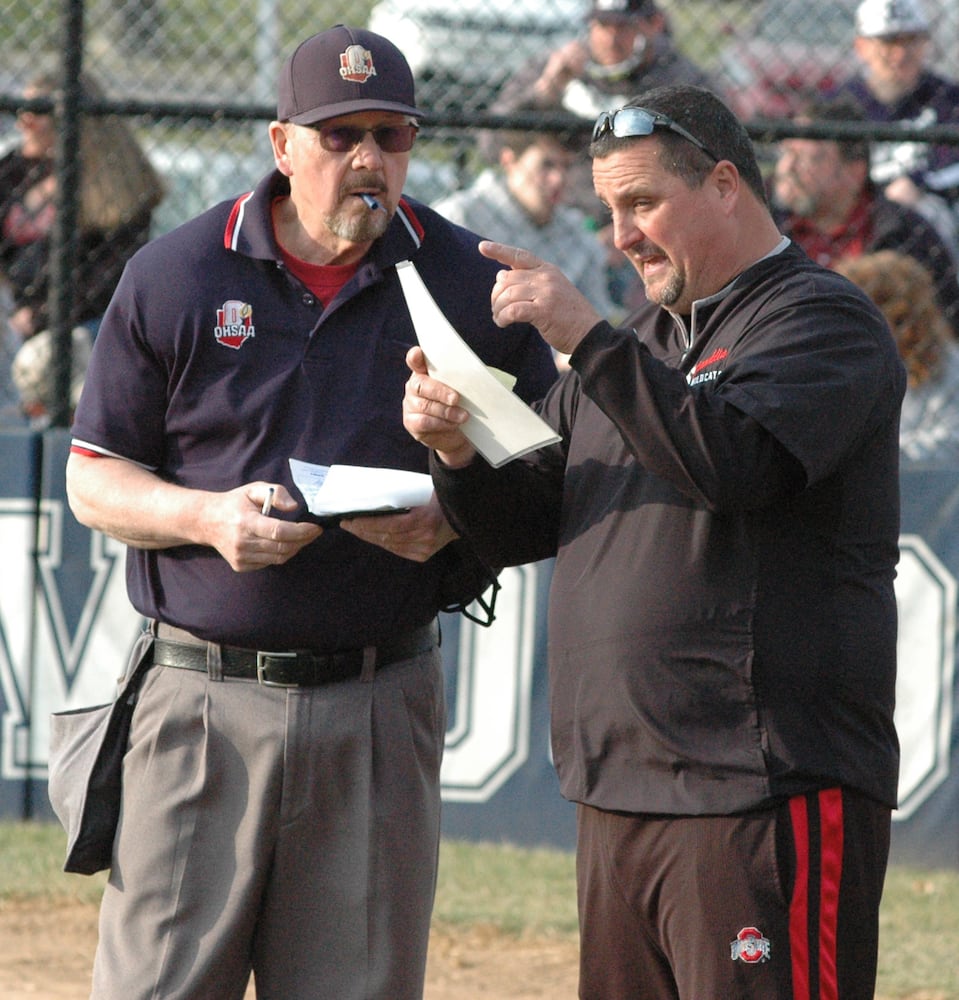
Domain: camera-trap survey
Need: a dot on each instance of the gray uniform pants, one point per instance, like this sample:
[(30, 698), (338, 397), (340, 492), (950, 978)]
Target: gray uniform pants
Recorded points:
[(291, 832)]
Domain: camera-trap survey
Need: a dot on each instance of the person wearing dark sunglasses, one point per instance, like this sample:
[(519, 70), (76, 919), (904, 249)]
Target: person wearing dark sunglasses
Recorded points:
[(281, 793), (723, 509)]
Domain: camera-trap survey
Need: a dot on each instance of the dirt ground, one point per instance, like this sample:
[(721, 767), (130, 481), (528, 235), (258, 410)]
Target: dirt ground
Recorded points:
[(47, 956)]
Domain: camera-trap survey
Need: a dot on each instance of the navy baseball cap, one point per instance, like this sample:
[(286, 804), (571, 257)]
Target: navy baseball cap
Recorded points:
[(343, 70)]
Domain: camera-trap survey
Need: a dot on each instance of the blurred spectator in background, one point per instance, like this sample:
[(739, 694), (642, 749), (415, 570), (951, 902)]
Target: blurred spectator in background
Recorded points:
[(34, 374), (10, 341), (826, 202), (896, 85), (519, 202), (627, 48), (117, 194), (902, 288)]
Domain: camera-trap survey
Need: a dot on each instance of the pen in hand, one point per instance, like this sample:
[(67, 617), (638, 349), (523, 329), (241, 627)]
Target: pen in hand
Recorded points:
[(268, 502)]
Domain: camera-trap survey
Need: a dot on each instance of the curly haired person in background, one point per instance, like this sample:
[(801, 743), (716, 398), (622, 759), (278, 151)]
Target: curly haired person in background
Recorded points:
[(902, 288)]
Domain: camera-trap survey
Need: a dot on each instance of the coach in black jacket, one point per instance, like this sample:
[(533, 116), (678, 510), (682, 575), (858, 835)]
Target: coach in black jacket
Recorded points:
[(723, 508)]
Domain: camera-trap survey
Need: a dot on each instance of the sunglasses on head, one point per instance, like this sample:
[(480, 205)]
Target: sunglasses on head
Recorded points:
[(345, 138), (629, 122)]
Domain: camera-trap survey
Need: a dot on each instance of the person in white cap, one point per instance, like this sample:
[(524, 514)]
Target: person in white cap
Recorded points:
[(896, 84)]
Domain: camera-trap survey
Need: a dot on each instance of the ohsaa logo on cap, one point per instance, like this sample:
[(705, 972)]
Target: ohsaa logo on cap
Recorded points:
[(750, 946), (356, 64), (234, 324)]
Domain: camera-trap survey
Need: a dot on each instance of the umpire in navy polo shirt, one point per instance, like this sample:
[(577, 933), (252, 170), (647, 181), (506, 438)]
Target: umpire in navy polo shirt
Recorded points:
[(281, 794)]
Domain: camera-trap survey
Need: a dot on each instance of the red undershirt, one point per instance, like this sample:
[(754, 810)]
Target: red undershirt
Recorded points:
[(323, 280)]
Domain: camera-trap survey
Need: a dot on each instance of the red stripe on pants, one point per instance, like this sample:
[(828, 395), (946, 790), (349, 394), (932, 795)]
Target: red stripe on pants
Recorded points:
[(822, 933), (799, 907), (831, 827)]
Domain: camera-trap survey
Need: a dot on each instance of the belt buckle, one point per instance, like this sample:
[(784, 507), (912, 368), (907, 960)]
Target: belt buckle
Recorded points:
[(262, 667)]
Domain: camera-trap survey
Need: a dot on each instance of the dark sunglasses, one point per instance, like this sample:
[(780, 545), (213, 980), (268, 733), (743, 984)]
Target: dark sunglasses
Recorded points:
[(345, 138), (628, 122)]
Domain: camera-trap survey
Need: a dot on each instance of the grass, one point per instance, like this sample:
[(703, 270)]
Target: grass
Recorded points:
[(919, 935), (32, 866), (519, 891), (530, 893)]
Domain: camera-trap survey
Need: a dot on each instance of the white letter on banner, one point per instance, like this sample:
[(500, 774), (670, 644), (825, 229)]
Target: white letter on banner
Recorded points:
[(926, 596), (47, 664), (490, 740)]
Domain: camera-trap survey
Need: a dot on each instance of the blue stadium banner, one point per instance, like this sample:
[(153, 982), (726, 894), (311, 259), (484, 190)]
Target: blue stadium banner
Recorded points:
[(66, 627)]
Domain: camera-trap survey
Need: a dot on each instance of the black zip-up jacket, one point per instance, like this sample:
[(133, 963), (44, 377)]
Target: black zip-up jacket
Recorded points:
[(724, 510)]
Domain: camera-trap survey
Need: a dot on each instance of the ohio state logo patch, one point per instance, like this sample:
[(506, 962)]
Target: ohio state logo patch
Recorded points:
[(234, 324), (356, 64), (750, 946)]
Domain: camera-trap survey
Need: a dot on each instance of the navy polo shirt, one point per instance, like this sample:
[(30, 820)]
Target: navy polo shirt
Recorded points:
[(214, 365)]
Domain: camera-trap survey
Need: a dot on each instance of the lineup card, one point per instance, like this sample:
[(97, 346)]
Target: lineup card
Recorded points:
[(501, 426), (338, 491)]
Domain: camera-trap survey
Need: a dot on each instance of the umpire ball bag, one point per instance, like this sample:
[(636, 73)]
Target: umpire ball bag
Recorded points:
[(87, 746)]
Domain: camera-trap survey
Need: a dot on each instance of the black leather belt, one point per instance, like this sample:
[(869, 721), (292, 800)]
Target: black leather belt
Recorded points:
[(295, 668)]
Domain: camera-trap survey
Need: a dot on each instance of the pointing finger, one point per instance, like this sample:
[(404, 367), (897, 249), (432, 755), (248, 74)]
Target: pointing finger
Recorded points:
[(514, 257)]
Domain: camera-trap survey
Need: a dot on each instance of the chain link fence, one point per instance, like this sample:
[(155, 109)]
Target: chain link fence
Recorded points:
[(192, 86)]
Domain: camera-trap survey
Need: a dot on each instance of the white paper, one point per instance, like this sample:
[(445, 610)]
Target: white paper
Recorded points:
[(351, 489), (501, 426)]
